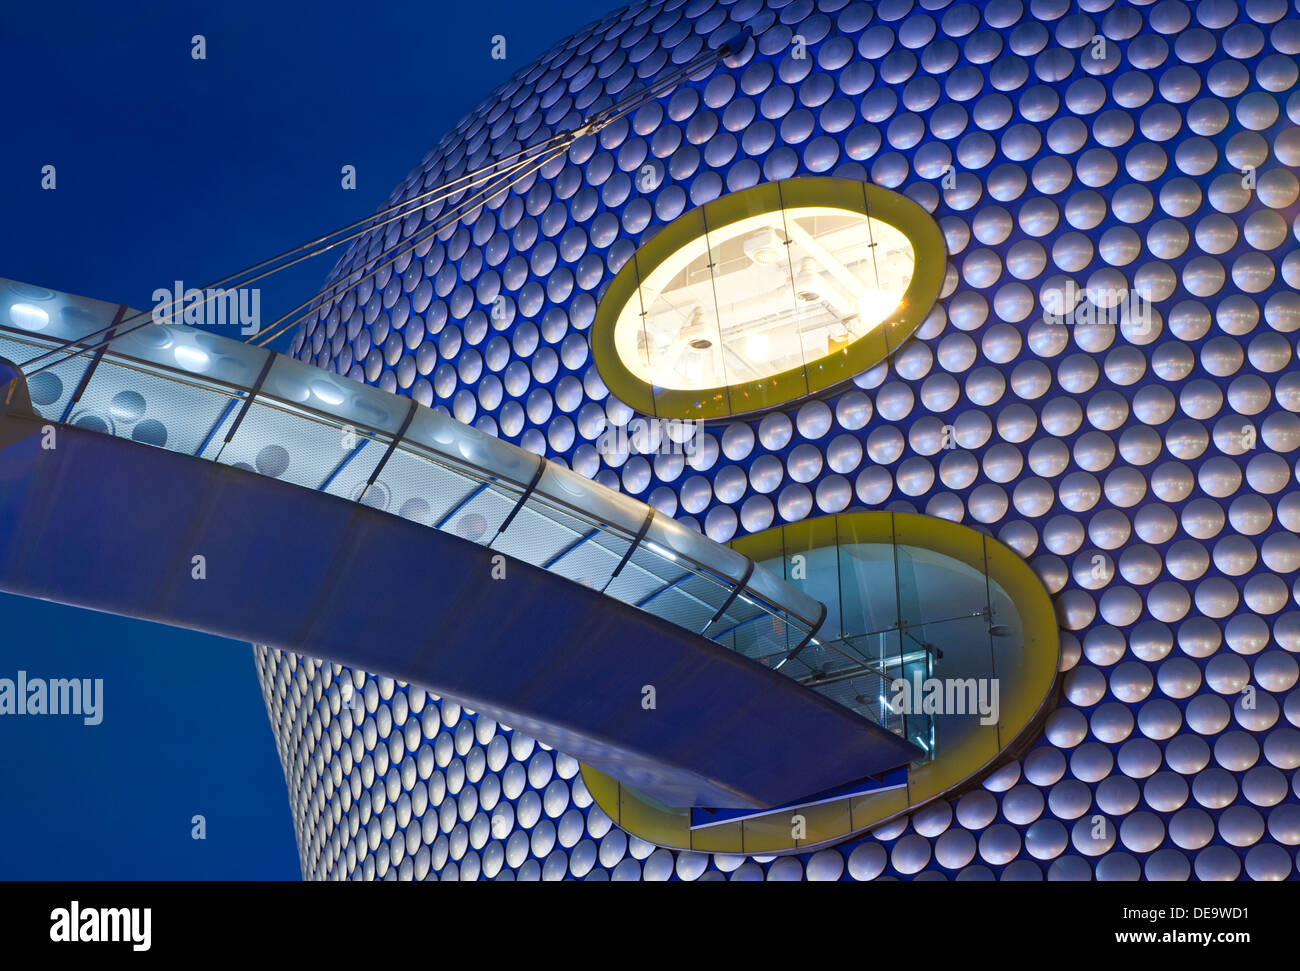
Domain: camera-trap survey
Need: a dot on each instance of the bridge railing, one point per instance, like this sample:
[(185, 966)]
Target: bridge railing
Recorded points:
[(195, 392)]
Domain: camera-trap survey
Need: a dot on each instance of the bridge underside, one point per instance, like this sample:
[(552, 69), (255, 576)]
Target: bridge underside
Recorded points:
[(113, 525)]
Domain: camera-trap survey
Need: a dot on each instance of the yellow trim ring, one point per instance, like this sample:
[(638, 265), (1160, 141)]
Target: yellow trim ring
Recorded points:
[(820, 375), (1021, 711)]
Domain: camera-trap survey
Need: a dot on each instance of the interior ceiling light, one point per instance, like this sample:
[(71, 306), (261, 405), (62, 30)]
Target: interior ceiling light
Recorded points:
[(765, 248), (696, 332), (808, 284)]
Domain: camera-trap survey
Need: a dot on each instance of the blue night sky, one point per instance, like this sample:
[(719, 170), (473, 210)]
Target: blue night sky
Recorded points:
[(170, 168)]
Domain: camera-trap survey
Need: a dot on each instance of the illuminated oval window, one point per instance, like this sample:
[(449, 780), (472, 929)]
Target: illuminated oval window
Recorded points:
[(766, 296)]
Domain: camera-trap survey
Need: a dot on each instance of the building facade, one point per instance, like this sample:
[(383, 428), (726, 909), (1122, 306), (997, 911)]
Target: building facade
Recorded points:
[(1105, 381)]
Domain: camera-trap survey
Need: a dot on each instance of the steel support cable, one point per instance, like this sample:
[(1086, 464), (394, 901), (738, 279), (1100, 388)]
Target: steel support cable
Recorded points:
[(370, 268), (422, 235), (144, 323), (477, 177), (414, 242), (454, 215), (592, 126)]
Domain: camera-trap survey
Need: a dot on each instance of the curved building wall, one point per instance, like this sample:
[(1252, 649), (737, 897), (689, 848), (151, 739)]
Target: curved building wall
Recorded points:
[(1147, 471)]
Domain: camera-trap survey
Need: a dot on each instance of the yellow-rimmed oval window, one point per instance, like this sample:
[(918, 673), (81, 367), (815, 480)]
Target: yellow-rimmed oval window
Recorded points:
[(766, 296)]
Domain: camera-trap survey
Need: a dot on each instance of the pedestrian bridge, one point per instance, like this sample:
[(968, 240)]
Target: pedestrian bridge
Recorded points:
[(189, 479)]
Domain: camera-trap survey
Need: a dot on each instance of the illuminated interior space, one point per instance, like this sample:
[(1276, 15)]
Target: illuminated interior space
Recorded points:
[(763, 295)]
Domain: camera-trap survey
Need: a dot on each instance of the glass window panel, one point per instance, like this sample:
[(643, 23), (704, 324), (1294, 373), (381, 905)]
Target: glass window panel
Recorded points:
[(809, 565), (766, 636), (868, 591), (1007, 644), (959, 571), (757, 296)]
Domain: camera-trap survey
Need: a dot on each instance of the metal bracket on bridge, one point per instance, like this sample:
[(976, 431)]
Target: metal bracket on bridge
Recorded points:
[(640, 535), (94, 362), (523, 498), (731, 598), (811, 632), (388, 452), (248, 403)]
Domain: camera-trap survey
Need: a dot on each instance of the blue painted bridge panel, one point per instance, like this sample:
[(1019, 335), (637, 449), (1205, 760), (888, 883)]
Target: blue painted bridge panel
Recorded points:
[(113, 525)]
